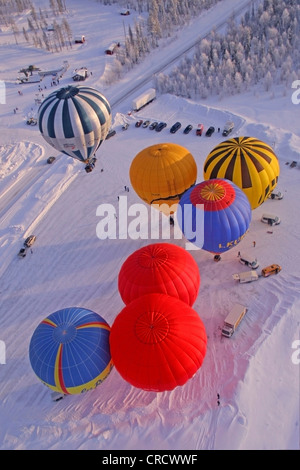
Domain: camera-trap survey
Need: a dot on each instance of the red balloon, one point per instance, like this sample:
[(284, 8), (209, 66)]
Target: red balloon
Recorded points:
[(157, 342), (159, 268)]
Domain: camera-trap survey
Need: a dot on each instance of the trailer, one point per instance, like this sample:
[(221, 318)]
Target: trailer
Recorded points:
[(247, 276), (233, 319), (144, 99)]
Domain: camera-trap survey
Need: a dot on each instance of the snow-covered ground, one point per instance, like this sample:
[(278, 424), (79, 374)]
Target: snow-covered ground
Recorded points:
[(256, 372)]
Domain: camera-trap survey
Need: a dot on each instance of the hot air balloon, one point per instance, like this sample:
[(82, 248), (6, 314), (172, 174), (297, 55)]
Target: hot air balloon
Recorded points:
[(159, 268), (214, 215), (249, 163), (161, 173), (69, 350), (157, 342), (75, 120)]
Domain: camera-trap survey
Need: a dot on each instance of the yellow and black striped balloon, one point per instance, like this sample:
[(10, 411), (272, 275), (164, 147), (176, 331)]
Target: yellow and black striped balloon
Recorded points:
[(249, 163)]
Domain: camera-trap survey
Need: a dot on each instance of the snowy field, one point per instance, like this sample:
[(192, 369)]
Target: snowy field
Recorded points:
[(256, 372)]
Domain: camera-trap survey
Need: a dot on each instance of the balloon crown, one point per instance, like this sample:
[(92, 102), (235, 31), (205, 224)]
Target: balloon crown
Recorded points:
[(67, 92)]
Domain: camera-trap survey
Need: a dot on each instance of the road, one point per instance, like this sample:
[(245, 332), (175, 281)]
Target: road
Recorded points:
[(174, 54), (119, 94), (18, 189)]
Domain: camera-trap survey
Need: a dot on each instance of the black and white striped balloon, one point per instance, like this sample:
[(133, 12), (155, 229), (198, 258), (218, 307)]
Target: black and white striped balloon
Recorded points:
[(75, 120)]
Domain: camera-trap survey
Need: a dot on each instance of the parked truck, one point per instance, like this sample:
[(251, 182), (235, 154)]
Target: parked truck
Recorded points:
[(247, 276), (233, 319), (144, 99)]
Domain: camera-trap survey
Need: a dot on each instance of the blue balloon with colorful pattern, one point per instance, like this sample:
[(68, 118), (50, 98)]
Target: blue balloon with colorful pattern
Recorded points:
[(214, 215), (75, 120), (69, 350)]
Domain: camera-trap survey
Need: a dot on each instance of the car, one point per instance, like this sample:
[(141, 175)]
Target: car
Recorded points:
[(22, 253), (50, 159), (31, 122), (275, 195), (110, 134), (160, 126), (57, 396), (210, 131), (199, 129), (175, 127), (153, 125), (125, 12), (146, 123), (269, 270), (188, 129), (139, 123), (29, 241), (270, 219), (125, 126)]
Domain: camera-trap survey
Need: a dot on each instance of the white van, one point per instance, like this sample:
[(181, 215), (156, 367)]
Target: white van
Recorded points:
[(270, 219), (229, 126), (276, 195), (248, 260)]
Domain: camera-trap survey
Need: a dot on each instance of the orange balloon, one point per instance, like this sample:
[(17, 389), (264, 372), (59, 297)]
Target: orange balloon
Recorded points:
[(161, 173)]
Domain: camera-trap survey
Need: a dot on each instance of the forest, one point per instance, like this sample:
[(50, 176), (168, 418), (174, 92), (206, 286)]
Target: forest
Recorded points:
[(262, 47)]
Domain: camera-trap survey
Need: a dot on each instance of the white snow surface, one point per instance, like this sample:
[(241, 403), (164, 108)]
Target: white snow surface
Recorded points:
[(256, 372)]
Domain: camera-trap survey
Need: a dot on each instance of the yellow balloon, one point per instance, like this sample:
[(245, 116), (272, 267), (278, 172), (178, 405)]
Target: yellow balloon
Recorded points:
[(249, 163), (161, 173)]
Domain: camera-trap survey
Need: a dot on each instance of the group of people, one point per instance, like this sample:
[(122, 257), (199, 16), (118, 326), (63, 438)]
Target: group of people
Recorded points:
[(41, 89)]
